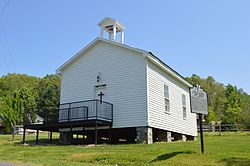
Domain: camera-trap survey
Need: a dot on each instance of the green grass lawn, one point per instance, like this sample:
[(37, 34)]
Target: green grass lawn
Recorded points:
[(228, 149)]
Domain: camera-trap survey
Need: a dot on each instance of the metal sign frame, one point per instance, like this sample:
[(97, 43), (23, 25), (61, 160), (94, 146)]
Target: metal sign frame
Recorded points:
[(200, 91)]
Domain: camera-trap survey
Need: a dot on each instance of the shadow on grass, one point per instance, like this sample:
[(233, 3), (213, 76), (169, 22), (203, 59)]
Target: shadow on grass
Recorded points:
[(169, 155), (236, 161), (41, 142)]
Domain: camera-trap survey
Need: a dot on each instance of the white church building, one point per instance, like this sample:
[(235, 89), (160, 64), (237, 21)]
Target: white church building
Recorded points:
[(114, 92)]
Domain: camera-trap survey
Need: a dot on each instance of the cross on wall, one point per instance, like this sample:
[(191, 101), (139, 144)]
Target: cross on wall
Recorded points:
[(100, 95)]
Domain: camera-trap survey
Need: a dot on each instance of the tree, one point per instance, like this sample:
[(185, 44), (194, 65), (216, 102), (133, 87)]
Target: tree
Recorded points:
[(216, 97), (28, 97), (12, 111), (29, 103), (33, 92), (49, 96), (215, 93), (211, 115), (14, 82), (49, 91), (194, 79), (245, 100), (233, 105)]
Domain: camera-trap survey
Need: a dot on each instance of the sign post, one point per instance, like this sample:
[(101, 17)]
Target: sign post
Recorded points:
[(201, 134), (198, 99)]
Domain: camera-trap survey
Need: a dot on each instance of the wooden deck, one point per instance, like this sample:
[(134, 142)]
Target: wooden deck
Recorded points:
[(90, 113)]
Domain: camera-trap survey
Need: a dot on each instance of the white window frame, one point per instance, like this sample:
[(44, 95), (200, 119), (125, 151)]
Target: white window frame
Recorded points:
[(184, 106), (166, 99)]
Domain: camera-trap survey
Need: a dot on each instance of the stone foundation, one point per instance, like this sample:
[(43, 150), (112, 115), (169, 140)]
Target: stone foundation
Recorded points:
[(169, 137), (184, 138), (123, 135), (144, 135)]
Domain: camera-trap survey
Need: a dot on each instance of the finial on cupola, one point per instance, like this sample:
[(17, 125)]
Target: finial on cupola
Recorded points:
[(112, 26)]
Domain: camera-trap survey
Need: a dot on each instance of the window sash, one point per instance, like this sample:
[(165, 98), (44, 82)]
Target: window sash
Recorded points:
[(184, 112), (166, 91), (167, 105), (166, 99), (184, 109), (183, 100)]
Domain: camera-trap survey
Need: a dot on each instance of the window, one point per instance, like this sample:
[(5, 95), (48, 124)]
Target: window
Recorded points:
[(166, 99), (184, 109)]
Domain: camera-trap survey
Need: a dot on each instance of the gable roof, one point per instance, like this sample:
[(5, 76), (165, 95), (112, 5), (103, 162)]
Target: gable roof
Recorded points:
[(91, 44), (149, 55)]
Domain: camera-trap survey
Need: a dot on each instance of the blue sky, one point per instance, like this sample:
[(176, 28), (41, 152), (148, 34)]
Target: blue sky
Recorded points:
[(209, 38)]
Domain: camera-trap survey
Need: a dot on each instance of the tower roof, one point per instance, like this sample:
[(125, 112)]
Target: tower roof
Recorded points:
[(108, 24)]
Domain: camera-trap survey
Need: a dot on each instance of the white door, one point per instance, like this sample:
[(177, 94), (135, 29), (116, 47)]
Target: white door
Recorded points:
[(100, 94)]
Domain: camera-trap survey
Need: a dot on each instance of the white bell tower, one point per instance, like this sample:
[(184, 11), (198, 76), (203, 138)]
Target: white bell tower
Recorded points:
[(112, 27)]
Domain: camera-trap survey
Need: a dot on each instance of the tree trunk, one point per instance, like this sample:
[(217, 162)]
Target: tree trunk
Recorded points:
[(219, 123), (13, 133), (236, 126)]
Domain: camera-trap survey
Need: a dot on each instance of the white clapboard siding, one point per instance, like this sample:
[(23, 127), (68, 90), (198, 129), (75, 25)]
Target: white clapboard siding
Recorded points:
[(124, 73), (158, 118)]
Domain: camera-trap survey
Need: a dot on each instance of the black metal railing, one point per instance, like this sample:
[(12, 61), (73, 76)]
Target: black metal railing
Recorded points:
[(86, 110), (70, 112)]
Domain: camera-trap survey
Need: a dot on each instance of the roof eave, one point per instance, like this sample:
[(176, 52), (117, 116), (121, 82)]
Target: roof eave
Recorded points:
[(59, 70), (168, 69)]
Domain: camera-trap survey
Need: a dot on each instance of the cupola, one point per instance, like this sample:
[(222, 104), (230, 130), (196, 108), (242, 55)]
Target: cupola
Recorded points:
[(112, 27)]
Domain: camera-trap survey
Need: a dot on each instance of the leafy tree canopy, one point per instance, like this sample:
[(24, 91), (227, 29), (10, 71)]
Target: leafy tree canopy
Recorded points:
[(19, 92), (225, 103)]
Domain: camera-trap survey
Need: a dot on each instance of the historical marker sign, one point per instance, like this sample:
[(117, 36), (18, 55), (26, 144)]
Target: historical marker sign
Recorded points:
[(198, 99)]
